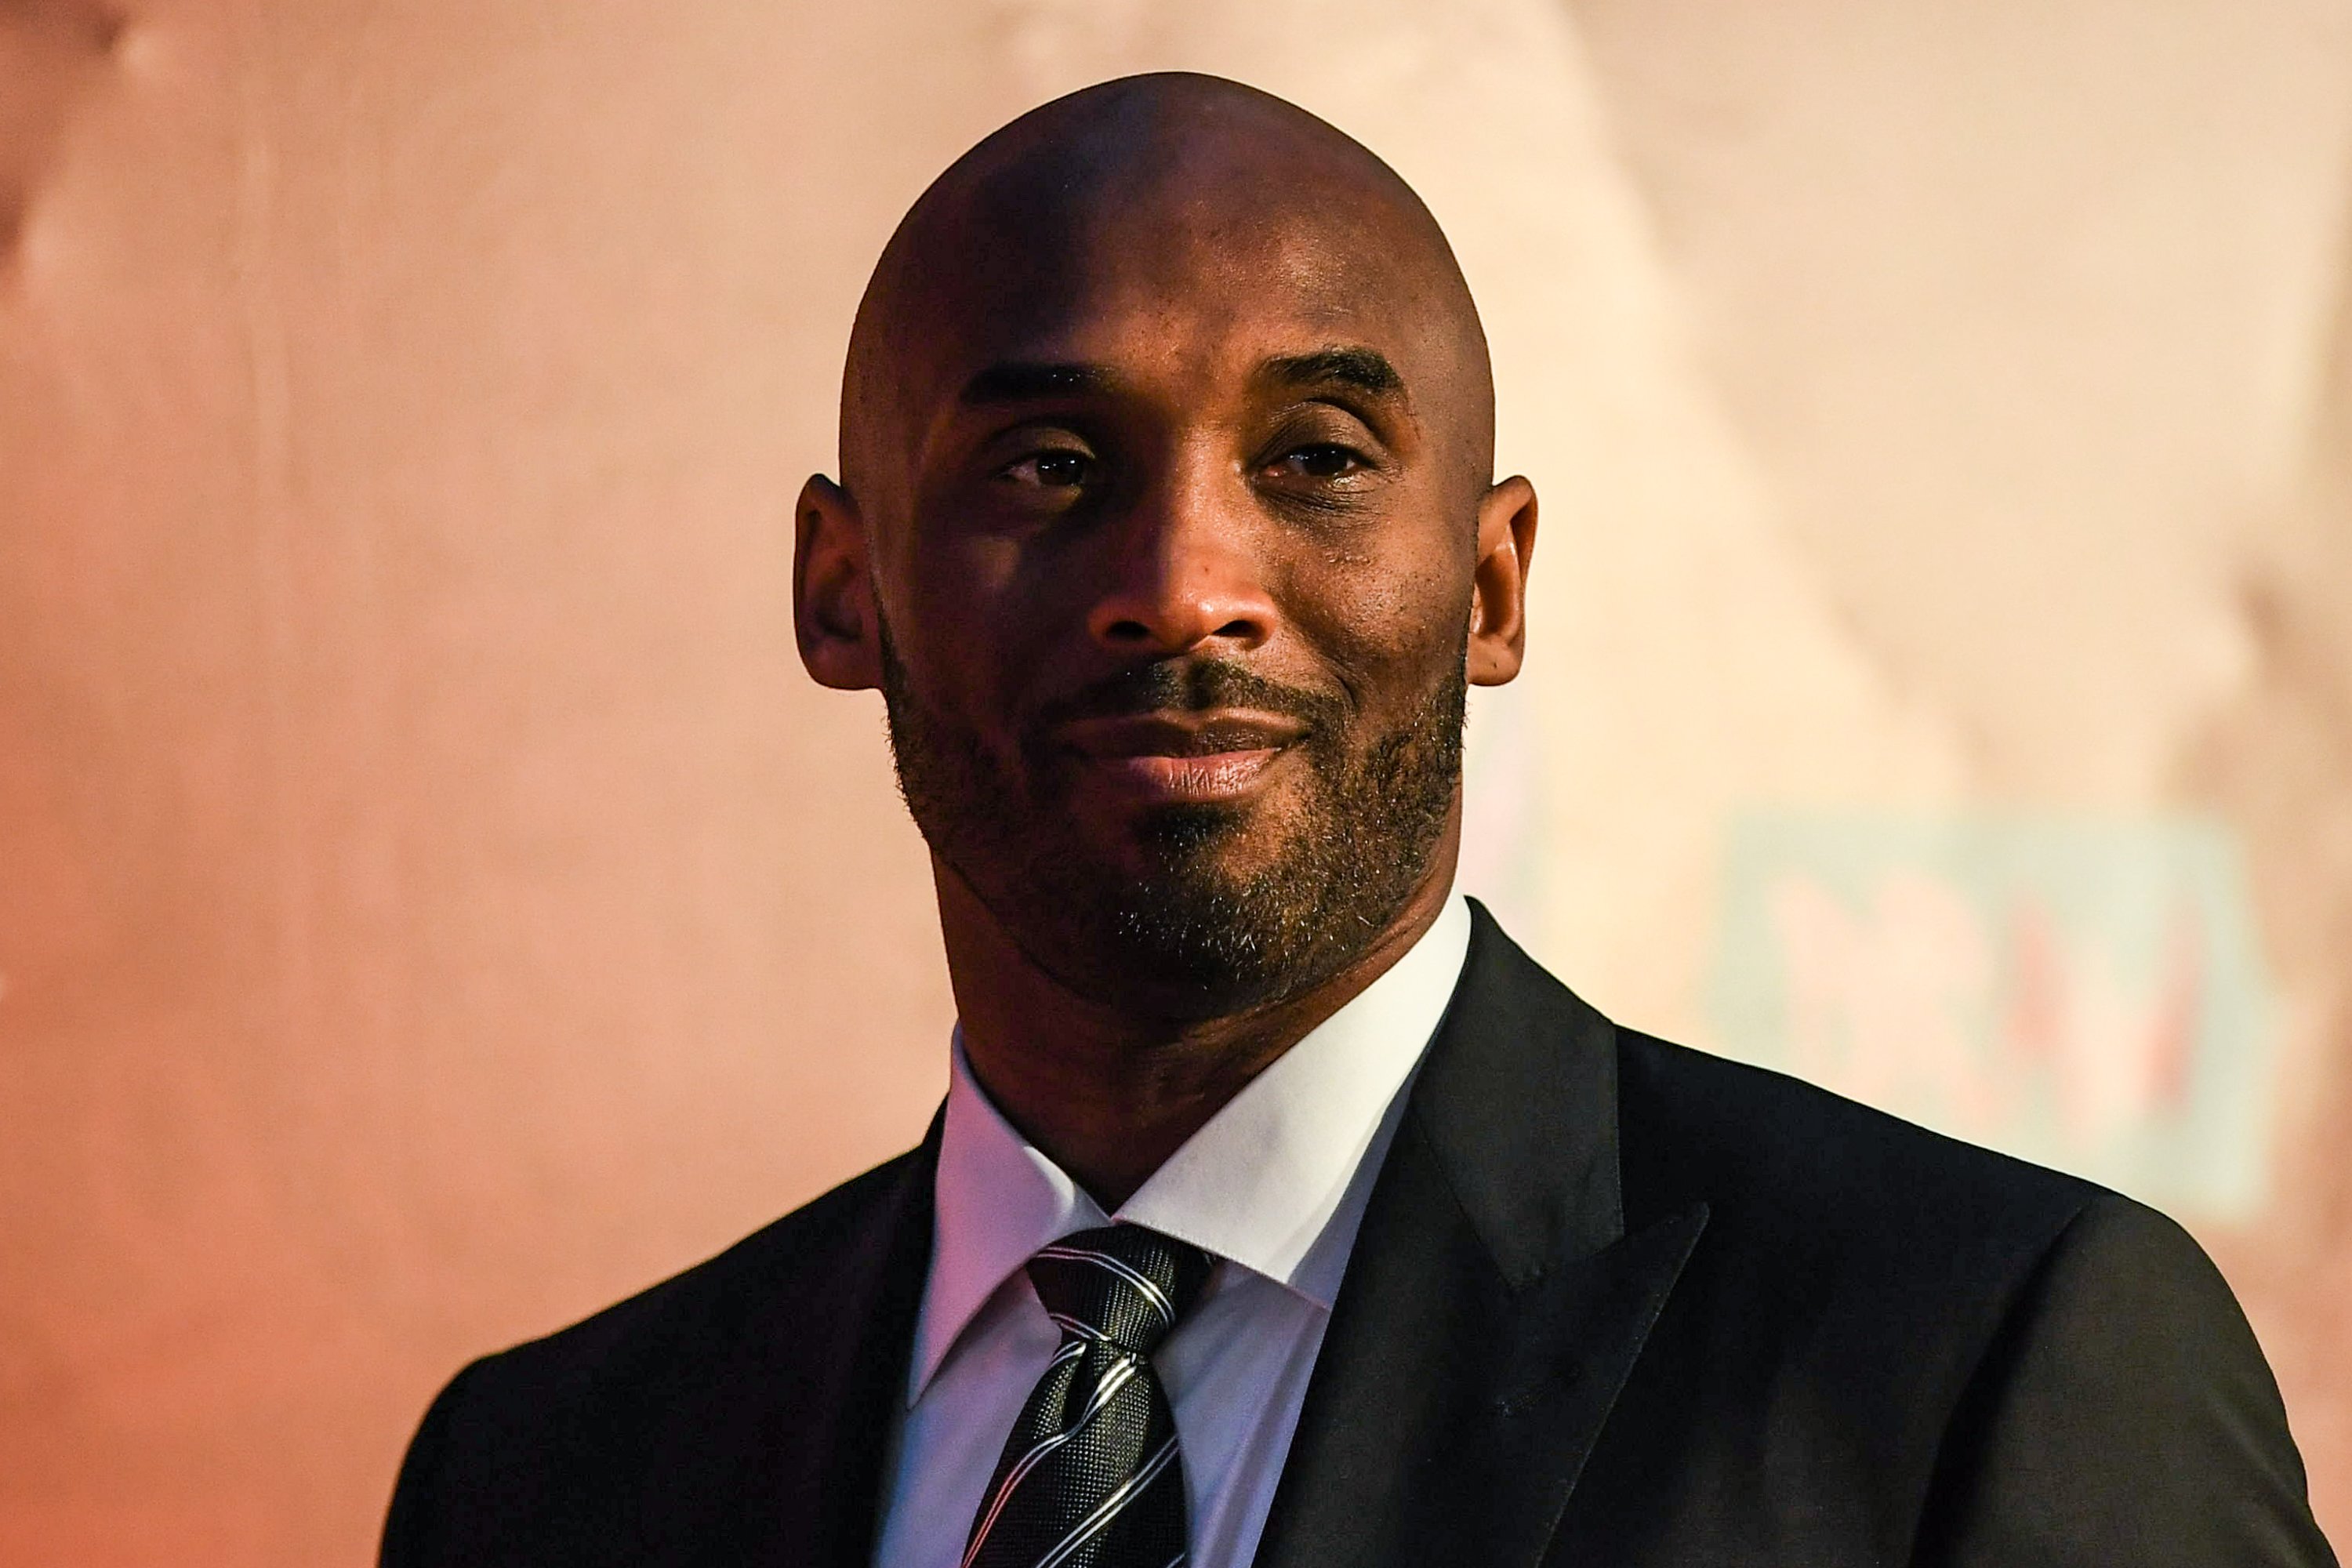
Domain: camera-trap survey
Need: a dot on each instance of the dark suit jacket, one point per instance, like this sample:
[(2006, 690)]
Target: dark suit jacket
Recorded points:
[(1614, 1302)]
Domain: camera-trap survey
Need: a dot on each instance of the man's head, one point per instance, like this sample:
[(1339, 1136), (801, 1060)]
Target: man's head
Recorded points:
[(1166, 527)]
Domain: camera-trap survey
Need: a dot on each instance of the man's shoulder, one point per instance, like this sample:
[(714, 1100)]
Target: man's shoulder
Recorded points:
[(2029, 1355), (698, 1313), (1823, 1210), (601, 1442), (1771, 1150), (1771, 1156), (1800, 1186)]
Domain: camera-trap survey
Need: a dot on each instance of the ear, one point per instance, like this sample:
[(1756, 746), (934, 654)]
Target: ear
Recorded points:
[(1499, 591), (833, 614)]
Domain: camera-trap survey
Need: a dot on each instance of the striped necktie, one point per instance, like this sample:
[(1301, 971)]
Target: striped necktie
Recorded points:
[(1091, 1476)]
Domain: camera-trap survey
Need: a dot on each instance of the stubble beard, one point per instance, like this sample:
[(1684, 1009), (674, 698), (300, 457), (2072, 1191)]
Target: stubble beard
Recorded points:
[(1190, 938)]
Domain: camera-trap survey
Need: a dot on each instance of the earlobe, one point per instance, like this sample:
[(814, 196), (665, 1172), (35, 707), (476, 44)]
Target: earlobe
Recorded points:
[(1499, 594), (833, 616)]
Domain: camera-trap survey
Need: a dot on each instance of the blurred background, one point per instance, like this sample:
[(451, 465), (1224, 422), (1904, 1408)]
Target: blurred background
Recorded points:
[(434, 902)]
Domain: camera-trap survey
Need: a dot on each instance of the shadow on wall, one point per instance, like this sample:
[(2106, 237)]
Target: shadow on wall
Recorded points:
[(51, 54)]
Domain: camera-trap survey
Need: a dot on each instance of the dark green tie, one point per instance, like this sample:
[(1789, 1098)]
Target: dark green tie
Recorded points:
[(1091, 1476)]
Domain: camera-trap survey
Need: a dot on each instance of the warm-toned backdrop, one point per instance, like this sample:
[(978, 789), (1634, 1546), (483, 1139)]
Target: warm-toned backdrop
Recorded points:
[(433, 902)]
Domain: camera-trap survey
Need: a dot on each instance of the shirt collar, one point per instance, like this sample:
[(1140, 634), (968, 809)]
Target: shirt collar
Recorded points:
[(1267, 1183)]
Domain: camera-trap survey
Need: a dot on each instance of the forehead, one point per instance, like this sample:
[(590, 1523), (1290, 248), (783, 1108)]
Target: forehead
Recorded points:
[(1208, 280)]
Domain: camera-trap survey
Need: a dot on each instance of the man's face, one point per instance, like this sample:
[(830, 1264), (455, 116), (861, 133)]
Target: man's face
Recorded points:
[(1173, 587)]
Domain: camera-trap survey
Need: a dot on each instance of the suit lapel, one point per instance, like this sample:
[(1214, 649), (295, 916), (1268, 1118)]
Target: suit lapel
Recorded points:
[(1494, 1304), (838, 1370)]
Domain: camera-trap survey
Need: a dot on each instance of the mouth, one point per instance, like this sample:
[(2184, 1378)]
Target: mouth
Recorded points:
[(1171, 758)]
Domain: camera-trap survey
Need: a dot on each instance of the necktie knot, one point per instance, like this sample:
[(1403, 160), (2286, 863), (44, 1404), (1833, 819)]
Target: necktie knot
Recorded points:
[(1121, 1283)]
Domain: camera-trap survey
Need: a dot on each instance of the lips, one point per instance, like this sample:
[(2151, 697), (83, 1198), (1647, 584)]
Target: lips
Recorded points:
[(1175, 758)]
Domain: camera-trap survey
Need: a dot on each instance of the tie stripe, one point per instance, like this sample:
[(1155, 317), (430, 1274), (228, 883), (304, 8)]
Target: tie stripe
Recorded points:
[(1115, 1379), (1091, 1475), (1083, 1330)]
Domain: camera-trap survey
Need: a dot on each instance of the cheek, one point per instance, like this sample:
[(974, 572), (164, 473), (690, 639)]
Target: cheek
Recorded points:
[(976, 620), (1388, 626)]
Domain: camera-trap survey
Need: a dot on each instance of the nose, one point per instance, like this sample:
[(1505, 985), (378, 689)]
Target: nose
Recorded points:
[(1187, 572)]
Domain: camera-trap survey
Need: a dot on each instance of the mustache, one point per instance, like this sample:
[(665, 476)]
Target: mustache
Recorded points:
[(1191, 686)]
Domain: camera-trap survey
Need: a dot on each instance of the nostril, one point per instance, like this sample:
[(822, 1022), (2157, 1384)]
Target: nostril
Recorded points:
[(1238, 629), (1128, 631)]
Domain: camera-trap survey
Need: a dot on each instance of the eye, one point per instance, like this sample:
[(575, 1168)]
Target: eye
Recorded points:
[(1051, 471), (1320, 460)]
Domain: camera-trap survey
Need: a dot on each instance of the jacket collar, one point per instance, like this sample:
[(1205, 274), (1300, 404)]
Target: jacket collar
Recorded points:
[(809, 1493), (1495, 1304), (1519, 1107)]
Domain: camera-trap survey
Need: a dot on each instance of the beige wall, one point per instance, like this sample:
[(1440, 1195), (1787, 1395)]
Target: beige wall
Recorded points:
[(433, 902)]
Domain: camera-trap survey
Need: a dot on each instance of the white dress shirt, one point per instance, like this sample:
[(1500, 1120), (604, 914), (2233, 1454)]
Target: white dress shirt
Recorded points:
[(1272, 1186)]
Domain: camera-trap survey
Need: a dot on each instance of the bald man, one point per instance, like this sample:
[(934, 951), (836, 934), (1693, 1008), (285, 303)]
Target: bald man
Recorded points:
[(1281, 1210)]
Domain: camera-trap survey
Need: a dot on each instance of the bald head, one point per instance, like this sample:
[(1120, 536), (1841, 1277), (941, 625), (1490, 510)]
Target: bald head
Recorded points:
[(1172, 194)]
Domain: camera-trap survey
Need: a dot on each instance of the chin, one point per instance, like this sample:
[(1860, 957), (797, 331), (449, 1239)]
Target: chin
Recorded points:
[(1182, 841), (1204, 932)]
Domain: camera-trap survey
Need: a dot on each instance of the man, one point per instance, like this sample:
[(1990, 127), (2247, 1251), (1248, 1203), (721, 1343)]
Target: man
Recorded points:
[(1282, 1211)]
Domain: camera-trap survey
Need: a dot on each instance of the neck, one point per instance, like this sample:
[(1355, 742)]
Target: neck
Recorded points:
[(1108, 1094)]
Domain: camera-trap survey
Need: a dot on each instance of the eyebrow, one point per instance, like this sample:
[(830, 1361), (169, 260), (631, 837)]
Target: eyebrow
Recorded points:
[(1366, 370), (1027, 382)]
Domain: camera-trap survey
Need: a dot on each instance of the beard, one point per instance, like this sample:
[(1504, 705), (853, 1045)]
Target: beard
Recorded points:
[(1188, 935)]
